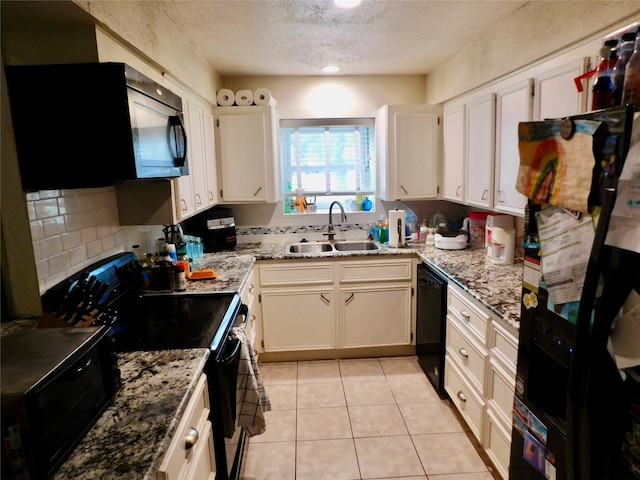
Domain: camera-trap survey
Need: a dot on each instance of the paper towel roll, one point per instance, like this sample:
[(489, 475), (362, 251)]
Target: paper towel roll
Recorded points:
[(262, 96), (396, 228), (244, 98), (225, 97)]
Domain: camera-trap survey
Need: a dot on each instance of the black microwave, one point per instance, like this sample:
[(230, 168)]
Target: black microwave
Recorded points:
[(56, 382), (93, 125)]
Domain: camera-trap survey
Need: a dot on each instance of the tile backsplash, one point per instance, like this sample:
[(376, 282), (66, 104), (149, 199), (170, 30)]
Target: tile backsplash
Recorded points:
[(74, 228)]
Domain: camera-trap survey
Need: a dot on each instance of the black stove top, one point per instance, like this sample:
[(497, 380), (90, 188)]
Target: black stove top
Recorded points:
[(165, 322), (110, 293)]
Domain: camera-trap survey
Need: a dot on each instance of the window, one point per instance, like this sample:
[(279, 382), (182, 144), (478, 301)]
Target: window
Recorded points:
[(327, 159)]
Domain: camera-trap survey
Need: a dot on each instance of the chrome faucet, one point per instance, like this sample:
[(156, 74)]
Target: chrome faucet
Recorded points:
[(330, 233)]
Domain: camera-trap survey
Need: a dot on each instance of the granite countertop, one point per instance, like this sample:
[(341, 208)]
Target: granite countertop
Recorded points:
[(133, 434), (497, 287)]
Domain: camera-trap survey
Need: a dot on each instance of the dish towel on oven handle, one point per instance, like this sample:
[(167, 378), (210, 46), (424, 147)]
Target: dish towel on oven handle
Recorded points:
[(251, 398)]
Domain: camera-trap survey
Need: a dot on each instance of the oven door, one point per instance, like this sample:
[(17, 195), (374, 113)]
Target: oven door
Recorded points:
[(230, 440)]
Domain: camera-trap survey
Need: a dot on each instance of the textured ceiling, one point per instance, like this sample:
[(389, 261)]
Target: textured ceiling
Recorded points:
[(297, 37)]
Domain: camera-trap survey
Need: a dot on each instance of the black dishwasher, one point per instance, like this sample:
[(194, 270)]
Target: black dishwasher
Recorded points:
[(430, 325)]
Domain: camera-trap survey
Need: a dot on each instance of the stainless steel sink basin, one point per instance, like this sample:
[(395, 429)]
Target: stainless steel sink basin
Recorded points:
[(326, 248), (311, 247), (348, 246)]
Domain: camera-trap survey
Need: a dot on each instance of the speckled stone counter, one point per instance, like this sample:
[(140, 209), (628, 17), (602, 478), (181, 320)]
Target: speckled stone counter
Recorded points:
[(131, 437), (497, 287)]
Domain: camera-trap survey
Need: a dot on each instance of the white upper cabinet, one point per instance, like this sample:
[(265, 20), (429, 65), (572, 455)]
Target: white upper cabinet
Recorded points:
[(556, 93), (480, 128), (247, 140), (408, 147), (514, 104), (453, 171)]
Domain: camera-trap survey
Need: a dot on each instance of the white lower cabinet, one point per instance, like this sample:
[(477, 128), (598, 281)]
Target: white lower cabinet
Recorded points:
[(249, 294), (375, 315), (298, 319), (480, 371), (337, 304), (190, 455)]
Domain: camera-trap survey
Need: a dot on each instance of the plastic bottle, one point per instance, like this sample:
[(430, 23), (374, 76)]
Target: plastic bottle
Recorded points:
[(617, 74), (631, 89), (171, 250), (603, 86), (179, 278)]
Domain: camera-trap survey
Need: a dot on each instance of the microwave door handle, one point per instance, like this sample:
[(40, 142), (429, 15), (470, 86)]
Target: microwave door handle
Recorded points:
[(175, 121)]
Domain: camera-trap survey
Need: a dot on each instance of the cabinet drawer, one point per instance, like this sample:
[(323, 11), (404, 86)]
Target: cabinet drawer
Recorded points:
[(504, 346), (204, 462), (470, 357), (501, 390), (498, 444), (178, 459), (473, 317), (250, 288), (470, 405), (308, 273), (378, 270)]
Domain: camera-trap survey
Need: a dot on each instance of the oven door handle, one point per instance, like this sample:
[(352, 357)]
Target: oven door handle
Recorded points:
[(244, 310)]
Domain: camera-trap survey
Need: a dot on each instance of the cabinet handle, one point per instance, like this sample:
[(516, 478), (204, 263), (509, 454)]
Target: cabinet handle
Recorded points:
[(500, 196), (465, 315), (404, 190), (191, 438), (463, 352), (210, 195), (250, 289), (484, 195), (198, 199), (461, 396), (184, 204), (349, 300), (252, 318), (259, 188), (325, 299), (458, 190)]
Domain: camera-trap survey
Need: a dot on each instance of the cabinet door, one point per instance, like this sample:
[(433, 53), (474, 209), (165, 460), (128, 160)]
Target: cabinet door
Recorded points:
[(480, 123), (210, 159), (197, 169), (556, 94), (453, 150), (513, 105), (416, 154), (298, 319), (376, 316)]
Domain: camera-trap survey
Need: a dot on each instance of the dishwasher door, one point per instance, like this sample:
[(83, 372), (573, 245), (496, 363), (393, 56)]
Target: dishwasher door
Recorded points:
[(430, 325)]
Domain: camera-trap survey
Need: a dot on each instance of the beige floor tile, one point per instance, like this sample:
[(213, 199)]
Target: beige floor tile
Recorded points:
[(363, 370), (322, 371), (433, 417), (315, 395), (270, 461), (323, 423), (279, 373), (387, 457), (326, 460), (413, 389), (421, 477), (281, 427), (368, 393), (376, 420), (398, 366), (450, 453), (282, 397), (463, 476)]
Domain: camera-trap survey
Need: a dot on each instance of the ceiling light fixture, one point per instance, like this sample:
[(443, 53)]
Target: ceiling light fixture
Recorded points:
[(331, 69), (346, 3)]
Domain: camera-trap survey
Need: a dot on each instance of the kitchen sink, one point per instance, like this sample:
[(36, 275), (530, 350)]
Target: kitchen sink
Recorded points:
[(311, 247), (356, 246), (326, 248)]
